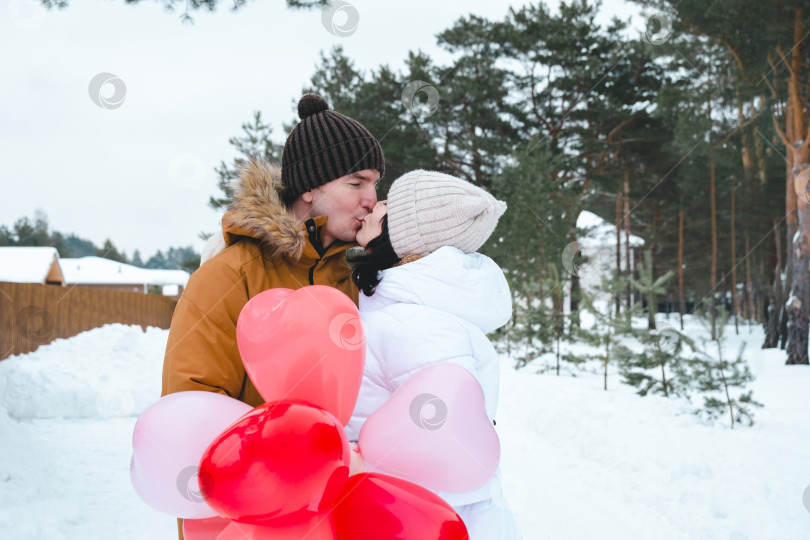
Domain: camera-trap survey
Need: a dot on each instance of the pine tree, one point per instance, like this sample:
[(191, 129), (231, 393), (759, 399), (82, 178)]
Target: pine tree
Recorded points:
[(158, 260), (180, 258), (109, 251), (650, 287), (136, 258), (724, 380), (527, 244), (32, 234), (187, 6), (609, 328), (255, 141), (662, 349), (533, 328), (7, 237), (77, 247), (376, 101), (658, 367)]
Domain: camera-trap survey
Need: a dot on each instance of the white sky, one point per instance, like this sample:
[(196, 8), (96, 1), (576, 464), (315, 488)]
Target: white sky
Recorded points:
[(141, 174)]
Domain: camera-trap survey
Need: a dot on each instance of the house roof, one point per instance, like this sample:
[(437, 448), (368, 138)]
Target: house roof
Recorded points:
[(599, 232), (29, 264), (96, 270)]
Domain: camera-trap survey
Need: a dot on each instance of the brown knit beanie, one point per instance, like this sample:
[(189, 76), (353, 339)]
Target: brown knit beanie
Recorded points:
[(323, 146), (428, 210)]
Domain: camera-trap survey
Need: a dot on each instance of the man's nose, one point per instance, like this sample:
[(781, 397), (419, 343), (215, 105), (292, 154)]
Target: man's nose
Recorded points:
[(369, 198)]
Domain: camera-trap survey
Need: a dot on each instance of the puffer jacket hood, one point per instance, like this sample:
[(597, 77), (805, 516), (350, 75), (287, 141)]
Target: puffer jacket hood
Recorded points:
[(469, 286), (261, 246), (436, 309), (258, 212)]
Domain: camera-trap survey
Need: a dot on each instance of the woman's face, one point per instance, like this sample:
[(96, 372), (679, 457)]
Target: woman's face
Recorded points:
[(372, 224)]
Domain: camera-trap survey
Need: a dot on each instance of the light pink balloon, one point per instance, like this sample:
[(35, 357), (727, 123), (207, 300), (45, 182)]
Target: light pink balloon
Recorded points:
[(168, 442), (434, 431)]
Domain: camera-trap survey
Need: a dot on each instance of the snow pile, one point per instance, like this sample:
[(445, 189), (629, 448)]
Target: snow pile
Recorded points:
[(578, 462), (110, 371)]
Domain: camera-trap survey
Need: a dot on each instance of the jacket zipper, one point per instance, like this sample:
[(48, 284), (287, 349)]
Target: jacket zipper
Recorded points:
[(312, 272), (316, 243)]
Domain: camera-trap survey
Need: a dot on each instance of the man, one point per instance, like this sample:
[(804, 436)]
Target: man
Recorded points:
[(287, 228)]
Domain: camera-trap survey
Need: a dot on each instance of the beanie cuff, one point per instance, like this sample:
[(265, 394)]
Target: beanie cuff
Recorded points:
[(403, 224), (331, 163)]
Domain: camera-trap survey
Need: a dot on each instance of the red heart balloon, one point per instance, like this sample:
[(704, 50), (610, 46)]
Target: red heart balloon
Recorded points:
[(319, 527), (375, 506), (204, 529), (280, 459), (306, 345)]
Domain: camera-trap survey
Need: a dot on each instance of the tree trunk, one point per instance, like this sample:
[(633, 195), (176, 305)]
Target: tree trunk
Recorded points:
[(618, 243), (575, 294), (713, 205), (682, 302), (734, 305), (629, 270), (749, 288), (777, 296), (798, 306)]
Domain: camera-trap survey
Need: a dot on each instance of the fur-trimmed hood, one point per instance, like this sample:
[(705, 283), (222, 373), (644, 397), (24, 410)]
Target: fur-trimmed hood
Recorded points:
[(258, 212)]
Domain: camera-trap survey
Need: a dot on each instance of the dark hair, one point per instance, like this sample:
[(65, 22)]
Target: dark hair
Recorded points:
[(379, 256)]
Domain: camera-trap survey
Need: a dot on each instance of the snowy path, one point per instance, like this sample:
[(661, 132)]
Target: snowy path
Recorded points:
[(578, 462)]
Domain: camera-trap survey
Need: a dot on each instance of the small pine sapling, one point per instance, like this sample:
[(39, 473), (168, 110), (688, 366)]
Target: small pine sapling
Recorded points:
[(609, 327), (724, 380)]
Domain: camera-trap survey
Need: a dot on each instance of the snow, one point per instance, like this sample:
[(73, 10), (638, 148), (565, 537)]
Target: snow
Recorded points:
[(578, 461), (26, 264), (100, 270)]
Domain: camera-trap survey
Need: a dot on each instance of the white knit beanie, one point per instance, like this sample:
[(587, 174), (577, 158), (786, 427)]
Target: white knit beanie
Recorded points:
[(428, 210)]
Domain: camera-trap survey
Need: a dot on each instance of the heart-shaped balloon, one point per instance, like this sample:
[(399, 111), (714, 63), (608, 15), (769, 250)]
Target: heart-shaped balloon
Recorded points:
[(318, 527), (168, 442), (305, 345), (379, 507), (204, 529), (434, 431), (282, 459)]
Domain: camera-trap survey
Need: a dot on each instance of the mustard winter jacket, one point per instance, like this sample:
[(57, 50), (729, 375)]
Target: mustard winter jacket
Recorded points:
[(264, 247)]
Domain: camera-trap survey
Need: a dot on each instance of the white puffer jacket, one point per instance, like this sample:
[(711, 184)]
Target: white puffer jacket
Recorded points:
[(435, 309)]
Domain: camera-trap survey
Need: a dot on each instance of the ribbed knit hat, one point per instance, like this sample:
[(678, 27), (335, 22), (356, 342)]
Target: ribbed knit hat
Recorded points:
[(428, 210), (323, 146)]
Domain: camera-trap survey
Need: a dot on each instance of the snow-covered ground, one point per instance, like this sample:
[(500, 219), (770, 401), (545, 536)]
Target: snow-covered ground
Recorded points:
[(578, 461)]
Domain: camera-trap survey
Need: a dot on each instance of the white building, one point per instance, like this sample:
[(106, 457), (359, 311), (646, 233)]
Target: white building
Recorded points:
[(31, 265), (43, 265), (100, 273), (598, 244)]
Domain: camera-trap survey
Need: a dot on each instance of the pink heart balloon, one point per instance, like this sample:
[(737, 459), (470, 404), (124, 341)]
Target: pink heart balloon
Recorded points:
[(306, 345), (434, 431)]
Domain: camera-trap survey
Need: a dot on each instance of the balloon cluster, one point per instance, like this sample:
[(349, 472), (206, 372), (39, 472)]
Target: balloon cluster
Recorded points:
[(281, 470)]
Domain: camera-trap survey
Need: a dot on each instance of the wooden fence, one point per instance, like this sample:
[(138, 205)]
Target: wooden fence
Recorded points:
[(32, 315)]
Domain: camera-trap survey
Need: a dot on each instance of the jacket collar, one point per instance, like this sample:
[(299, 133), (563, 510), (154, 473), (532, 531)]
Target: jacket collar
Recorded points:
[(258, 212), (314, 250)]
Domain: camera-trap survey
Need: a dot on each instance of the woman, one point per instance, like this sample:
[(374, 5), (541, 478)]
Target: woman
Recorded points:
[(427, 297)]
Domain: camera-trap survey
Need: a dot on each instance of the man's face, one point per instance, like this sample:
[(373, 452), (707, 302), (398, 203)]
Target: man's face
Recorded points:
[(346, 201)]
